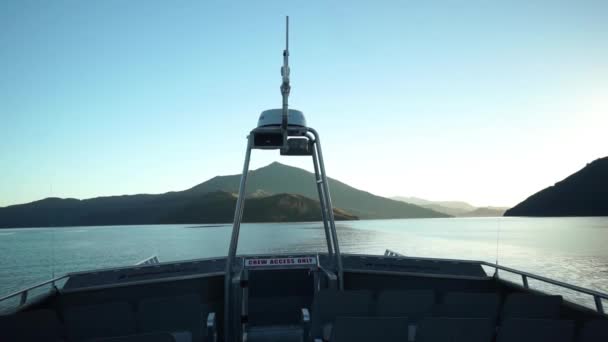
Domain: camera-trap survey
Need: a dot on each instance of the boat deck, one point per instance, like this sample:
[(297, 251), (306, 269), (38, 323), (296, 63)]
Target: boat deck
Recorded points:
[(185, 302)]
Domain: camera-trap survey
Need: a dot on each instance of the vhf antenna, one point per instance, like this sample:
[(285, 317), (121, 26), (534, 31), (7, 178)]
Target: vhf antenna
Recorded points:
[(285, 87)]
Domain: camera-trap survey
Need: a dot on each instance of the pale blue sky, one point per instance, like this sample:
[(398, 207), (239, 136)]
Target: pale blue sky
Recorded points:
[(482, 101)]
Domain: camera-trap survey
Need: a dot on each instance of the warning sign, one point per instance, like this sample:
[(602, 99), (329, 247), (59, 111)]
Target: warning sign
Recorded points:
[(296, 261)]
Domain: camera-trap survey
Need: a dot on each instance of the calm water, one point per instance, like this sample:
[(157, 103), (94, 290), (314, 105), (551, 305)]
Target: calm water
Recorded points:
[(573, 250)]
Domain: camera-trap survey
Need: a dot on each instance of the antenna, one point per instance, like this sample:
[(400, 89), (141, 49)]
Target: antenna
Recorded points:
[(285, 87), (272, 133)]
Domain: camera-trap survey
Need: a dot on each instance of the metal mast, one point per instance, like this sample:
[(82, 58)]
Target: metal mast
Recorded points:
[(285, 86), (285, 130)]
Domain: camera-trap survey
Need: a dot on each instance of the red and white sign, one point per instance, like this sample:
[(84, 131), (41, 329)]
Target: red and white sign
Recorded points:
[(265, 262)]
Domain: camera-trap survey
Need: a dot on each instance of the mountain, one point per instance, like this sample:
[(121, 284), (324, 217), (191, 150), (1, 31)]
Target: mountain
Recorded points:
[(485, 212), (456, 205), (275, 192), (218, 207), (447, 209), (454, 208), (584, 193), (213, 207), (278, 178)]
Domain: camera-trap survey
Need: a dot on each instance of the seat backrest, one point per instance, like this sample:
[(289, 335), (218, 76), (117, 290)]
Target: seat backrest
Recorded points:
[(329, 304), (365, 329), (173, 314), (99, 320), (594, 331), (148, 337), (532, 306), (456, 330), (415, 304), (535, 330), (36, 325), (469, 305)]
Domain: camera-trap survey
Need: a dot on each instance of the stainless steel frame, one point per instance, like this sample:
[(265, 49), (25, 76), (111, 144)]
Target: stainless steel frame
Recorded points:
[(327, 214), (326, 205), (312, 141)]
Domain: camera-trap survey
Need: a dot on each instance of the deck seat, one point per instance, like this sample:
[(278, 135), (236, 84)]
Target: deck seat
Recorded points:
[(149, 337), (535, 330), (184, 316), (277, 333), (414, 304), (365, 329), (594, 331), (36, 325), (84, 323), (456, 330), (469, 305), (329, 304), (532, 306)]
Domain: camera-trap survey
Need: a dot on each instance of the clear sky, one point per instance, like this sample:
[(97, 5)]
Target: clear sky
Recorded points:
[(481, 101)]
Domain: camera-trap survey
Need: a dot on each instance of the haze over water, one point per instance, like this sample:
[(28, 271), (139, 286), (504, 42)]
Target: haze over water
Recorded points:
[(567, 249)]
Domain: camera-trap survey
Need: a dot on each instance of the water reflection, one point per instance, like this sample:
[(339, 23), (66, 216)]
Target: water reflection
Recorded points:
[(567, 249)]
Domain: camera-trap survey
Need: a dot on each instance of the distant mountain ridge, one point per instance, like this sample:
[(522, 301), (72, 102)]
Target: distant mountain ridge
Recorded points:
[(218, 207), (454, 208), (279, 178), (277, 192), (485, 212), (213, 207), (584, 193), (448, 204)]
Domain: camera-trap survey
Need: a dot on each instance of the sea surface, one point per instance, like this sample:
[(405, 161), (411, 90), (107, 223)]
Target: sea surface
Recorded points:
[(573, 250)]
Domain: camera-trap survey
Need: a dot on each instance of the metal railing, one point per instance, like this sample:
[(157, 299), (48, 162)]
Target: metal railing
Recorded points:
[(23, 293), (597, 296), (391, 253), (153, 260)]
